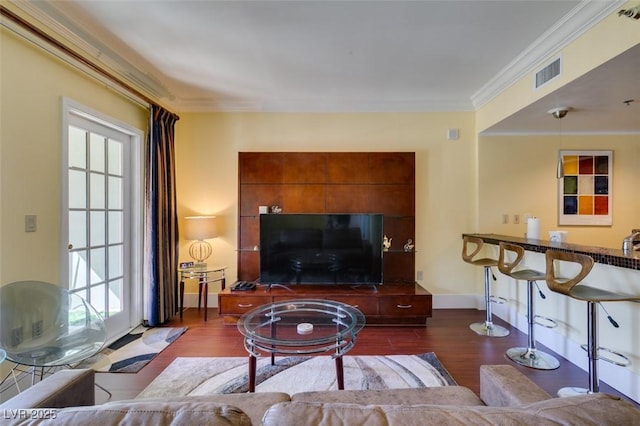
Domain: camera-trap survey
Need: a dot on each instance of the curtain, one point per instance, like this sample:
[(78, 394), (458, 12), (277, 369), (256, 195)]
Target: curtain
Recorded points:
[(161, 219)]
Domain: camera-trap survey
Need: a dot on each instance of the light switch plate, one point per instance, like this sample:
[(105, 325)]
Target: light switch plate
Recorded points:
[(30, 223)]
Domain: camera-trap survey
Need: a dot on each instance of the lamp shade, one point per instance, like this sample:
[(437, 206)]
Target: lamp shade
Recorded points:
[(200, 227)]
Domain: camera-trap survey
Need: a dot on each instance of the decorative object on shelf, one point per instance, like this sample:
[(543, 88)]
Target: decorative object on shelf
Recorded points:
[(386, 243), (276, 209), (263, 209), (185, 265), (584, 192), (200, 228), (409, 245)]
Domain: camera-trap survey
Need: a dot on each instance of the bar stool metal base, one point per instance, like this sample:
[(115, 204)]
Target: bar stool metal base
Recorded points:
[(489, 329), (572, 391), (533, 358)]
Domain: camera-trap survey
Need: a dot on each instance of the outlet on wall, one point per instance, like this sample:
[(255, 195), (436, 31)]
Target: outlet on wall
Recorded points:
[(30, 223)]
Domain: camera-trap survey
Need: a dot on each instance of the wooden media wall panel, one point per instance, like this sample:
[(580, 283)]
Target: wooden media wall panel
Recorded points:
[(335, 182)]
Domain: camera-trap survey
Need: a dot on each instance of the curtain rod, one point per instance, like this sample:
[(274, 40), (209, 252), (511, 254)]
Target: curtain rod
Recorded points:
[(74, 55)]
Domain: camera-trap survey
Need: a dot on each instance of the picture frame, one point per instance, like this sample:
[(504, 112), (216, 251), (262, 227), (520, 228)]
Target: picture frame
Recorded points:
[(585, 190)]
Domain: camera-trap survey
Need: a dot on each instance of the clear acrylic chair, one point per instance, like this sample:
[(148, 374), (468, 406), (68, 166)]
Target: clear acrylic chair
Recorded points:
[(44, 327)]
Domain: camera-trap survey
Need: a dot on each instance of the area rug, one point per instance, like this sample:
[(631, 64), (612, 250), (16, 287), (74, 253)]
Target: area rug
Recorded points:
[(205, 376), (132, 352)]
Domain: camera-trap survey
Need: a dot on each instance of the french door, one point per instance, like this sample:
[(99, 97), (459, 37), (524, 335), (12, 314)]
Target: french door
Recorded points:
[(102, 213)]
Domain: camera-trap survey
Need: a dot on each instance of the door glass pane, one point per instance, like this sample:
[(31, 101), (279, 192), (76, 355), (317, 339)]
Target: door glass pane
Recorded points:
[(115, 157), (97, 298), (96, 151), (77, 148), (77, 229), (115, 227), (97, 191), (77, 270), (97, 229), (115, 192), (77, 190), (115, 261), (97, 265), (115, 296)]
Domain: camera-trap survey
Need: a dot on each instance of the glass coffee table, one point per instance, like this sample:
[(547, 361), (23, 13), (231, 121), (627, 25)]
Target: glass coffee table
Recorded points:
[(300, 327)]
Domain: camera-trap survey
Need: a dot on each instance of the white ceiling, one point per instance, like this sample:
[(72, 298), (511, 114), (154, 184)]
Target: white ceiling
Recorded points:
[(344, 56)]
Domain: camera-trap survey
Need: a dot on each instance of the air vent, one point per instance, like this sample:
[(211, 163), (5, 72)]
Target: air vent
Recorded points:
[(548, 73)]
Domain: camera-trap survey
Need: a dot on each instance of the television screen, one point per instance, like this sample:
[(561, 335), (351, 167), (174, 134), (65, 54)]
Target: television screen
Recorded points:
[(321, 248)]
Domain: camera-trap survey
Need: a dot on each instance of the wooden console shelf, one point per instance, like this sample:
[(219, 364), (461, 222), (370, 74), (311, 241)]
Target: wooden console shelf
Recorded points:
[(388, 304)]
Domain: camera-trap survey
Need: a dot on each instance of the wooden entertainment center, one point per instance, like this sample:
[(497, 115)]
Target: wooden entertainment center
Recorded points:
[(313, 182)]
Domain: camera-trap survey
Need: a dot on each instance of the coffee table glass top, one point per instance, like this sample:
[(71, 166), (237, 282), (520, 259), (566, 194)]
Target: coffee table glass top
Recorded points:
[(301, 323)]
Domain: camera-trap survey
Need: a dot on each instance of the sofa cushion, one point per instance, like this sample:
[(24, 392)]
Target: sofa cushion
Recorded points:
[(253, 405), (596, 409), (440, 395), (504, 386), (134, 412)]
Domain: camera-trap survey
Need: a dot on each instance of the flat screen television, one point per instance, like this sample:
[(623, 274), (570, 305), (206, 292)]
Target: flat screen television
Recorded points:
[(321, 248)]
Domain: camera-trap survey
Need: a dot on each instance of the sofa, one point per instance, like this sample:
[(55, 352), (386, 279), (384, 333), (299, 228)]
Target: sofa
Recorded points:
[(506, 397)]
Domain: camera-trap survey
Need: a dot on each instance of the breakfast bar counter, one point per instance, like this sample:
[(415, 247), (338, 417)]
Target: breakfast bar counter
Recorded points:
[(614, 271), (602, 255)]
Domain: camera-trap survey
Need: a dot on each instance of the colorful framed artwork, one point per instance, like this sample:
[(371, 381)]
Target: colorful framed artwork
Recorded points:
[(584, 192)]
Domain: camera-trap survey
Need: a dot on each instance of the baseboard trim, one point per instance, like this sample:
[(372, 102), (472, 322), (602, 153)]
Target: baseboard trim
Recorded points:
[(457, 301)]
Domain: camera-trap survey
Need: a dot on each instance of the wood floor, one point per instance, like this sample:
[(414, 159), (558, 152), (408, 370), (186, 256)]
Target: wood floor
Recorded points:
[(447, 334)]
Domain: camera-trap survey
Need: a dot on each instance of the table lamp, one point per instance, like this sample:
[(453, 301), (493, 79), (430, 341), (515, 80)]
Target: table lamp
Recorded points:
[(200, 228)]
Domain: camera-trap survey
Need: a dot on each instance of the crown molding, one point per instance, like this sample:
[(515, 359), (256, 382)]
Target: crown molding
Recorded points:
[(340, 106), (59, 27), (582, 18)]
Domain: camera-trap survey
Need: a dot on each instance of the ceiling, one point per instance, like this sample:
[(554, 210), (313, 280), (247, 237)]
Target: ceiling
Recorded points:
[(349, 56)]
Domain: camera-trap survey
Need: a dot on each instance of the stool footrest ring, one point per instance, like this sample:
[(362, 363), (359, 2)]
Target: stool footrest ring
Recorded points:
[(625, 360), (498, 300), (545, 321)]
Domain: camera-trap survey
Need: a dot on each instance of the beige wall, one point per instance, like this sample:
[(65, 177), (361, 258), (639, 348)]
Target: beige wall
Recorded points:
[(32, 85), (518, 176), (207, 147)]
